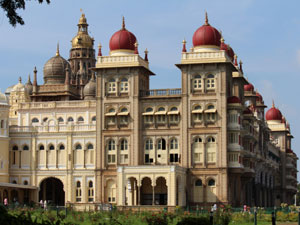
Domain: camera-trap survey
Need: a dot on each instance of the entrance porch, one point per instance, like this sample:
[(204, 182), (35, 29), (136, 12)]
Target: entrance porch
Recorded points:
[(151, 185)]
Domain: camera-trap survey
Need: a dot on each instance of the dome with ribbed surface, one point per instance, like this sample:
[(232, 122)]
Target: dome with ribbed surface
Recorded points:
[(89, 90), (274, 114), (122, 40), (206, 35), (233, 100), (248, 87), (55, 70)]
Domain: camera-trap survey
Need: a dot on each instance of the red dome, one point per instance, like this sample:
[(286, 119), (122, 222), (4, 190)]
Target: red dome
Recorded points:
[(122, 39), (258, 97), (206, 35), (233, 100), (248, 87), (227, 48), (273, 114)]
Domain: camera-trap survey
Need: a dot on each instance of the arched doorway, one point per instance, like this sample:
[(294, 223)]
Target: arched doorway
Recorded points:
[(146, 191), (52, 190), (161, 191)]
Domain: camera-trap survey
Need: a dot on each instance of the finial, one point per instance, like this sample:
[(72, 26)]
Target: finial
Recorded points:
[(123, 23), (184, 47), (146, 55), (99, 50), (241, 63), (273, 105), (34, 77), (20, 80), (235, 60), (57, 49), (206, 19), (29, 81), (136, 48)]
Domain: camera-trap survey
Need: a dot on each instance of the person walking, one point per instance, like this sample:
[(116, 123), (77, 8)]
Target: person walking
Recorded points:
[(45, 205)]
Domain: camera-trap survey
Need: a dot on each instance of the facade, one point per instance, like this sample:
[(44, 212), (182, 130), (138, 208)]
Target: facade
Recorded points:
[(95, 133)]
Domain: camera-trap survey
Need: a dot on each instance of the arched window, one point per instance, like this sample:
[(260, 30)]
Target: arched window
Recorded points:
[(123, 116), (25, 148), (15, 148), (210, 113), (124, 145), (111, 116), (14, 182), (78, 147), (41, 147), (148, 115), (111, 145), (2, 123), (161, 115), (124, 85), (124, 151), (45, 119), (197, 114), (198, 150), (161, 144), (149, 109), (174, 144), (112, 86), (211, 182), (149, 144), (60, 120), (25, 182), (80, 119), (111, 153), (91, 192), (173, 115), (198, 183), (198, 191), (197, 83), (93, 118), (78, 191), (61, 147), (35, 120), (90, 146), (211, 150), (70, 119), (210, 82), (51, 147)]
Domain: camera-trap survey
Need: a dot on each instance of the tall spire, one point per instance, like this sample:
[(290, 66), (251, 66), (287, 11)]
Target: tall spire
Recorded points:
[(20, 80), (273, 105), (34, 77), (57, 49), (29, 81), (123, 23), (206, 19)]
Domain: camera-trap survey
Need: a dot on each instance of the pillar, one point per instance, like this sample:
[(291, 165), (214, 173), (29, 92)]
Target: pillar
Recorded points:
[(153, 195)]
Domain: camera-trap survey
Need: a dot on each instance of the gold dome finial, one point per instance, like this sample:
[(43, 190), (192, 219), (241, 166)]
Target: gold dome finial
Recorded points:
[(57, 49), (20, 80), (206, 19), (123, 23)]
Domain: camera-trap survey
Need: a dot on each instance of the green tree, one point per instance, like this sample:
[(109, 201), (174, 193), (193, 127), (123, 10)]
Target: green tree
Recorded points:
[(11, 7)]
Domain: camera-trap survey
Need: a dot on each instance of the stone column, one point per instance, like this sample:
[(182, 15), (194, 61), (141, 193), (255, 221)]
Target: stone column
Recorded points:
[(153, 195)]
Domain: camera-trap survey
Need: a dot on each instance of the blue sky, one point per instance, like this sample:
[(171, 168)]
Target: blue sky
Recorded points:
[(264, 35)]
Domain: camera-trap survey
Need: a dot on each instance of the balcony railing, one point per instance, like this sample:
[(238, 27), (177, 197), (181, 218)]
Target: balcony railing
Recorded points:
[(58, 128), (161, 92)]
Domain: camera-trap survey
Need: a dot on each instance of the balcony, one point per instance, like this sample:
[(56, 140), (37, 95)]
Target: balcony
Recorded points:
[(156, 93), (62, 104)]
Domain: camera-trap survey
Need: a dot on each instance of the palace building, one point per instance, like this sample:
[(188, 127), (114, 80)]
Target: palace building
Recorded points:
[(94, 132)]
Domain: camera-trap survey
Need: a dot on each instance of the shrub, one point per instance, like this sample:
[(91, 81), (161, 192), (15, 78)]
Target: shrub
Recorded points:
[(194, 220)]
